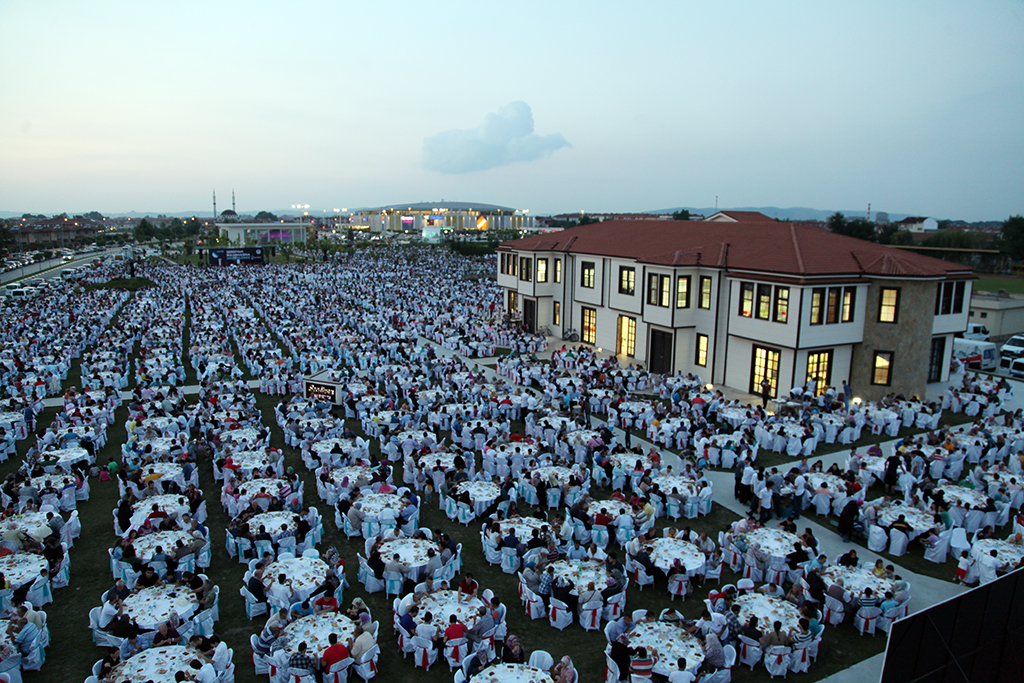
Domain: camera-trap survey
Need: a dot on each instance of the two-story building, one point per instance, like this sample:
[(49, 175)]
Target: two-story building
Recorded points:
[(739, 302)]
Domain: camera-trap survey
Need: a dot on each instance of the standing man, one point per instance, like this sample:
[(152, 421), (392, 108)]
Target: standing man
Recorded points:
[(847, 393), (766, 392)]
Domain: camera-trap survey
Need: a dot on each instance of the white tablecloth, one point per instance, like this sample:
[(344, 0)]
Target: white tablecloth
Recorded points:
[(443, 604), (156, 665), (482, 493), (315, 629), (666, 643), (768, 610), (512, 673), (775, 542), (150, 607), (306, 573), (666, 550), (856, 579), (146, 545), (22, 568)]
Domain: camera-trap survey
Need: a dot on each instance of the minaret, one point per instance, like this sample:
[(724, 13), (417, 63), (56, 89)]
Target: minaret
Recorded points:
[(215, 205), (233, 202)]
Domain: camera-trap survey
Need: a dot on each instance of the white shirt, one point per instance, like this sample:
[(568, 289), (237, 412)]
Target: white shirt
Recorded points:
[(766, 497)]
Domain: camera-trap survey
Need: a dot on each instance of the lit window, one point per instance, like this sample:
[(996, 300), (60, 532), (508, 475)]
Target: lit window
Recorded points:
[(542, 270), (587, 274), (764, 302), (556, 318), (683, 292), (781, 304), (817, 306), (627, 280), (558, 270), (589, 326), (705, 292), (658, 293), (882, 370), (832, 306), (746, 299), (889, 305), (701, 358), (849, 301)]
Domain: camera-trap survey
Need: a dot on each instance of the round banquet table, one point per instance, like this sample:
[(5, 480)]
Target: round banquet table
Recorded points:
[(57, 480), (22, 568), (666, 483), (168, 471), (421, 437), (67, 457), (666, 643), (837, 485), (561, 474), (411, 551), (918, 520), (582, 572), (444, 459), (315, 629), (962, 496), (145, 546), (512, 673), (246, 435), (155, 665), (856, 579), (443, 604), (167, 502), (324, 449), (151, 607), (482, 493), (582, 437), (614, 508), (768, 610), (249, 489), (157, 446), (306, 573), (521, 527), (1005, 551), (627, 461), (247, 461), (373, 503), (276, 523), (666, 550), (32, 523), (507, 450), (775, 542), (353, 472)]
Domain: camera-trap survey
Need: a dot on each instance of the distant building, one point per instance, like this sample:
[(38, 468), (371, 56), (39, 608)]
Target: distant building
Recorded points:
[(243, 234), (881, 217), (430, 219), (740, 302), (739, 217), (42, 233), (566, 217), (919, 224), (1000, 312)]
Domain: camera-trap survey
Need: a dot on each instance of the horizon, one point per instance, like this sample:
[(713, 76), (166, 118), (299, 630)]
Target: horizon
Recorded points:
[(913, 108)]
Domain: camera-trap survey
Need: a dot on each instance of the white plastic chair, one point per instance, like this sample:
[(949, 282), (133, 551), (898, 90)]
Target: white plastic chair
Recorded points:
[(898, 543), (864, 619), (540, 659), (558, 614), (776, 660), (750, 651)]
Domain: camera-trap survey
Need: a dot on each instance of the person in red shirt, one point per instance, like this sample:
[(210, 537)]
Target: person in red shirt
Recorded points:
[(468, 587), (455, 629), (334, 653), (325, 603), (602, 518)]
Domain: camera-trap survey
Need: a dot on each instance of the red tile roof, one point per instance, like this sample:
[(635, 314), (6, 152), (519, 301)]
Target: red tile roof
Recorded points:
[(743, 216), (785, 248)]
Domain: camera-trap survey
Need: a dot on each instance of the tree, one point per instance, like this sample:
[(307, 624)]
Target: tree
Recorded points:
[(144, 230), (1013, 236), (861, 228), (265, 217), (587, 220), (893, 234), (681, 215), (6, 238)]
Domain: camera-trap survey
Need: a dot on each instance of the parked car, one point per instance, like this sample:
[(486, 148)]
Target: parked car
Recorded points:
[(981, 355), (976, 331)]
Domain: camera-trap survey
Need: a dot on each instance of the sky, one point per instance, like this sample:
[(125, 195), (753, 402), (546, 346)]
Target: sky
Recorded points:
[(915, 107)]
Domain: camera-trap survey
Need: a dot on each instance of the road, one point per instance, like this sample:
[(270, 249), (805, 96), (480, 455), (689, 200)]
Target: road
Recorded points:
[(57, 265)]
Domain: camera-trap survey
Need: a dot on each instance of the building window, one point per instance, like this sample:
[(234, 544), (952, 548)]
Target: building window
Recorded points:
[(705, 292), (832, 306), (587, 274), (627, 280), (513, 301), (781, 304), (984, 314), (849, 301), (589, 326), (746, 299), (556, 313), (889, 305), (558, 270), (701, 357), (525, 269), (882, 370), (819, 367), (949, 298), (542, 270), (658, 293), (817, 306), (683, 291), (764, 302), (764, 366), (626, 341)]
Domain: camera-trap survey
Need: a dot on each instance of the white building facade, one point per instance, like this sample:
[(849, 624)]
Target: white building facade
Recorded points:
[(710, 300)]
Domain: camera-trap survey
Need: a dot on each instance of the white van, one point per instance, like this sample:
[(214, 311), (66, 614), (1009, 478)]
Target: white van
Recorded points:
[(1012, 348), (983, 355), (23, 293), (976, 331)]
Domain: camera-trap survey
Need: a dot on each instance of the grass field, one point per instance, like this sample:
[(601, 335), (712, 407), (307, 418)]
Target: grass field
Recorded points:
[(1014, 285), (72, 653)]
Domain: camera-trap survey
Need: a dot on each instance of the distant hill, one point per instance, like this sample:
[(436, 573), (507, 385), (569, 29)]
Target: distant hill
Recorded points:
[(794, 213)]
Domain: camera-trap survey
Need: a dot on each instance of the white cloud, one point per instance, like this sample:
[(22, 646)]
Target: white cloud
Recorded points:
[(505, 137)]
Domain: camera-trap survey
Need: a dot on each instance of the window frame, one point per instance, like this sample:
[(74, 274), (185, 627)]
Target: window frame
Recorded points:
[(558, 270), (833, 305), (631, 272), (895, 306), (746, 300), (848, 307), (701, 350), (526, 269), (658, 290), (763, 302), (588, 272), (705, 293), (684, 300), (586, 312), (630, 322), (875, 357), (784, 300), (556, 313), (817, 312), (542, 272)]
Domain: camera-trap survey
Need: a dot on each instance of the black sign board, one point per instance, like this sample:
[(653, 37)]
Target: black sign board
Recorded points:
[(229, 256), (321, 392)]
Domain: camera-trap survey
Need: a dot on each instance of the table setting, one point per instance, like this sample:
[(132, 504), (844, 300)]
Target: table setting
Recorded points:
[(579, 573), (151, 607), (665, 551), (276, 523), (443, 604), (856, 579), (768, 609), (31, 523), (482, 493), (666, 643), (512, 673), (963, 496), (411, 551), (1005, 550), (155, 665), (373, 503), (315, 629), (22, 568), (167, 502), (919, 520), (306, 573), (775, 542), (145, 546), (521, 527)]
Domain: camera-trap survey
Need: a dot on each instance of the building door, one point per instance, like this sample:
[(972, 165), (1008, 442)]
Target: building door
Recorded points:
[(819, 366), (764, 364), (625, 340), (660, 358), (530, 314), (936, 358)]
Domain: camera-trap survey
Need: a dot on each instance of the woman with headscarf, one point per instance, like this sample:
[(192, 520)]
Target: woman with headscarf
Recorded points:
[(358, 607), (368, 626), (564, 671), (514, 652), (714, 653)]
